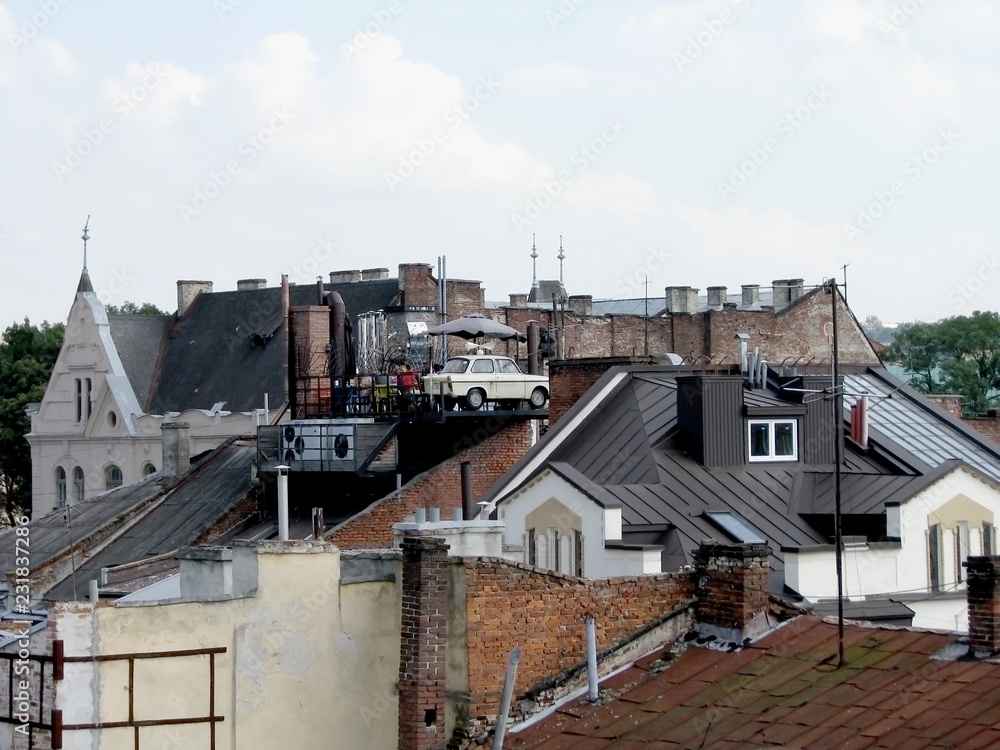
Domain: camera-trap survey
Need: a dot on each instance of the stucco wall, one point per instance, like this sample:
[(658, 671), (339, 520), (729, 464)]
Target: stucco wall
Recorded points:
[(307, 658)]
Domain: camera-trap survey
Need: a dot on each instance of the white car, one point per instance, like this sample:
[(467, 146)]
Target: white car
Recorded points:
[(472, 380)]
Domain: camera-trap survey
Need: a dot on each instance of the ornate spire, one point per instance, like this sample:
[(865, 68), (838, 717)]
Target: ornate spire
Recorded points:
[(85, 285), (534, 263), (561, 256)]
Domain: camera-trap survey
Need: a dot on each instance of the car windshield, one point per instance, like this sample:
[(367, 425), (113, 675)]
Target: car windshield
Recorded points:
[(509, 366), (456, 365)]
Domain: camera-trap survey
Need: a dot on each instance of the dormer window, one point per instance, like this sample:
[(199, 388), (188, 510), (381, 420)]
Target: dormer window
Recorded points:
[(772, 440)]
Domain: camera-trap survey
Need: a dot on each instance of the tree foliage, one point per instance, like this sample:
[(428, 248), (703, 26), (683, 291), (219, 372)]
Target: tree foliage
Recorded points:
[(956, 355), (27, 355), (131, 308)]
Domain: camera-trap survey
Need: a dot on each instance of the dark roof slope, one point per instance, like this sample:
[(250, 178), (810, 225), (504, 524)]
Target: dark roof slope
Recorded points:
[(786, 691), (208, 356), (139, 340), (203, 497)]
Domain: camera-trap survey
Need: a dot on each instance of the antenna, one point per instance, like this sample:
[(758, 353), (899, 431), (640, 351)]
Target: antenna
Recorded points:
[(561, 256), (844, 268), (86, 236), (534, 263)]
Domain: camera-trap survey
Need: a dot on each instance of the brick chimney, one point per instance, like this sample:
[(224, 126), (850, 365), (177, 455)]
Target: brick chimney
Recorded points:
[(374, 274), (717, 296), (518, 300), (984, 605), (751, 295), (682, 299), (581, 304), (246, 285), (345, 277), (731, 584), (424, 638)]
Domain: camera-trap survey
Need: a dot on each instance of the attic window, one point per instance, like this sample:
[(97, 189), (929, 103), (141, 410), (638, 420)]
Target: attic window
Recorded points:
[(772, 440), (734, 526)]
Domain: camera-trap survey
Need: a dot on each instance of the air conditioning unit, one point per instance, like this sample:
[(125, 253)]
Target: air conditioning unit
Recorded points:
[(302, 441), (340, 444)]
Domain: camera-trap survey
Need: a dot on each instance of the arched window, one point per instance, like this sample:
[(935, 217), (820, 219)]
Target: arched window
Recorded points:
[(112, 477), (60, 487), (79, 487), (148, 469)]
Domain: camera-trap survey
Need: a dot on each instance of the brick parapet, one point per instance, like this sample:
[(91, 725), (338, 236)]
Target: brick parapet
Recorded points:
[(543, 613), (440, 487)]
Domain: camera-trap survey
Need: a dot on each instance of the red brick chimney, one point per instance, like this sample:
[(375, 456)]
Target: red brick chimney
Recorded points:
[(984, 605), (732, 590), (424, 637)]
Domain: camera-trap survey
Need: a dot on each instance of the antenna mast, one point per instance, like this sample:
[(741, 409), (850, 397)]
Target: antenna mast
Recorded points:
[(561, 256), (86, 236)]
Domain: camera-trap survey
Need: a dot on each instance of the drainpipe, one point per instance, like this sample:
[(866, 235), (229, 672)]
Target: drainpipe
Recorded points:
[(591, 660), (468, 507)]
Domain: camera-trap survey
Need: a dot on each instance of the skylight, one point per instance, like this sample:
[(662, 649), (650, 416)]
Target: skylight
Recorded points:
[(734, 526)]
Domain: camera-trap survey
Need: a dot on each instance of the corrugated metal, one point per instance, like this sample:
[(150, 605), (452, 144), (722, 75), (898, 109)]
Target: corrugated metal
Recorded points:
[(710, 416), (180, 518)]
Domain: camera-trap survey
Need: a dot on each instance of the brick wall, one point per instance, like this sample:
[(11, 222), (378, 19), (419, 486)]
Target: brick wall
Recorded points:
[(988, 426), (543, 613), (311, 337), (440, 487), (950, 402), (984, 605)]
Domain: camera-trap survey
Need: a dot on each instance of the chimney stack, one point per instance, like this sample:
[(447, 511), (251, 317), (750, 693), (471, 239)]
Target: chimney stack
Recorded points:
[(716, 297), (682, 299), (246, 285), (581, 304), (374, 274), (796, 288), (344, 277), (780, 293), (984, 605), (518, 300), (187, 291), (732, 590), (751, 295), (176, 449), (424, 631)]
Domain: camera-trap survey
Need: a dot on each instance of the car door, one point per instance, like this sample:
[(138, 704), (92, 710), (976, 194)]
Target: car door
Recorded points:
[(483, 376), (510, 381)]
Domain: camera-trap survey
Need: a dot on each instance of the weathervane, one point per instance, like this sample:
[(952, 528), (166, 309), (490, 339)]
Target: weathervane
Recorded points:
[(86, 236)]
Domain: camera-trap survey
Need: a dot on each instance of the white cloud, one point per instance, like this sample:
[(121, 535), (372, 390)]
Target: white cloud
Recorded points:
[(557, 76), (617, 194), (155, 91)]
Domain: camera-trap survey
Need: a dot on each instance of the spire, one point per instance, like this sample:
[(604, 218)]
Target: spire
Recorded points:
[(85, 285), (561, 256), (534, 263)]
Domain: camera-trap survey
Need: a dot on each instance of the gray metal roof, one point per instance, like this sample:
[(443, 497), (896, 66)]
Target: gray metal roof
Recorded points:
[(918, 426), (180, 518), (138, 339)]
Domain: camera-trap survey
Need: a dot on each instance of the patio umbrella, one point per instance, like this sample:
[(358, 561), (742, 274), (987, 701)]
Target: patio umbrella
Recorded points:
[(475, 325)]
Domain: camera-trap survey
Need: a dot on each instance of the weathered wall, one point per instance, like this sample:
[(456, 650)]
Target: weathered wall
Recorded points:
[(543, 613), (569, 379), (440, 487), (306, 657), (988, 426)]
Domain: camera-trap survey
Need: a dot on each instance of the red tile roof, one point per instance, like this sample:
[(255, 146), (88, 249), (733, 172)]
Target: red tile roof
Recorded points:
[(786, 691)]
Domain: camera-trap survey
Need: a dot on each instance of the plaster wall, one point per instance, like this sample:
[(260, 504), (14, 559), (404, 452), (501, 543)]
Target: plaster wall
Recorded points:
[(580, 512), (306, 658)]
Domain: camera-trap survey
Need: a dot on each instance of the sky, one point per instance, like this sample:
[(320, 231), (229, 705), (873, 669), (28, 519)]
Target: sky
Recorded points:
[(717, 142)]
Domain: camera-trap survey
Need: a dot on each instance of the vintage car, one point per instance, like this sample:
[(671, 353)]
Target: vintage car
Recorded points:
[(472, 380)]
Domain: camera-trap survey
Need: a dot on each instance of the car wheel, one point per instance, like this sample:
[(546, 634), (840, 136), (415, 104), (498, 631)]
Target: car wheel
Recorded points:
[(475, 399), (538, 398)]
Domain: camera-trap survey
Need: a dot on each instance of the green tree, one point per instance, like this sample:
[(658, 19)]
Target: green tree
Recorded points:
[(27, 355), (131, 308), (956, 355)]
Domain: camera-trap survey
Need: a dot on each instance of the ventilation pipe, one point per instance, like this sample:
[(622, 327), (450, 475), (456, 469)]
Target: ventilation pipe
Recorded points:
[(743, 342), (283, 503), (859, 422), (338, 336), (592, 693), (534, 340), (468, 505)]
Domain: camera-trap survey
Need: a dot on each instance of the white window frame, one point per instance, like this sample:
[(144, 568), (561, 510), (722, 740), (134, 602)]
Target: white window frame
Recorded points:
[(771, 423)]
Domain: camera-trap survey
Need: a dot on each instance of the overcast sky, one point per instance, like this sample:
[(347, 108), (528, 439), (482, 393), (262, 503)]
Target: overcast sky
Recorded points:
[(697, 143)]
